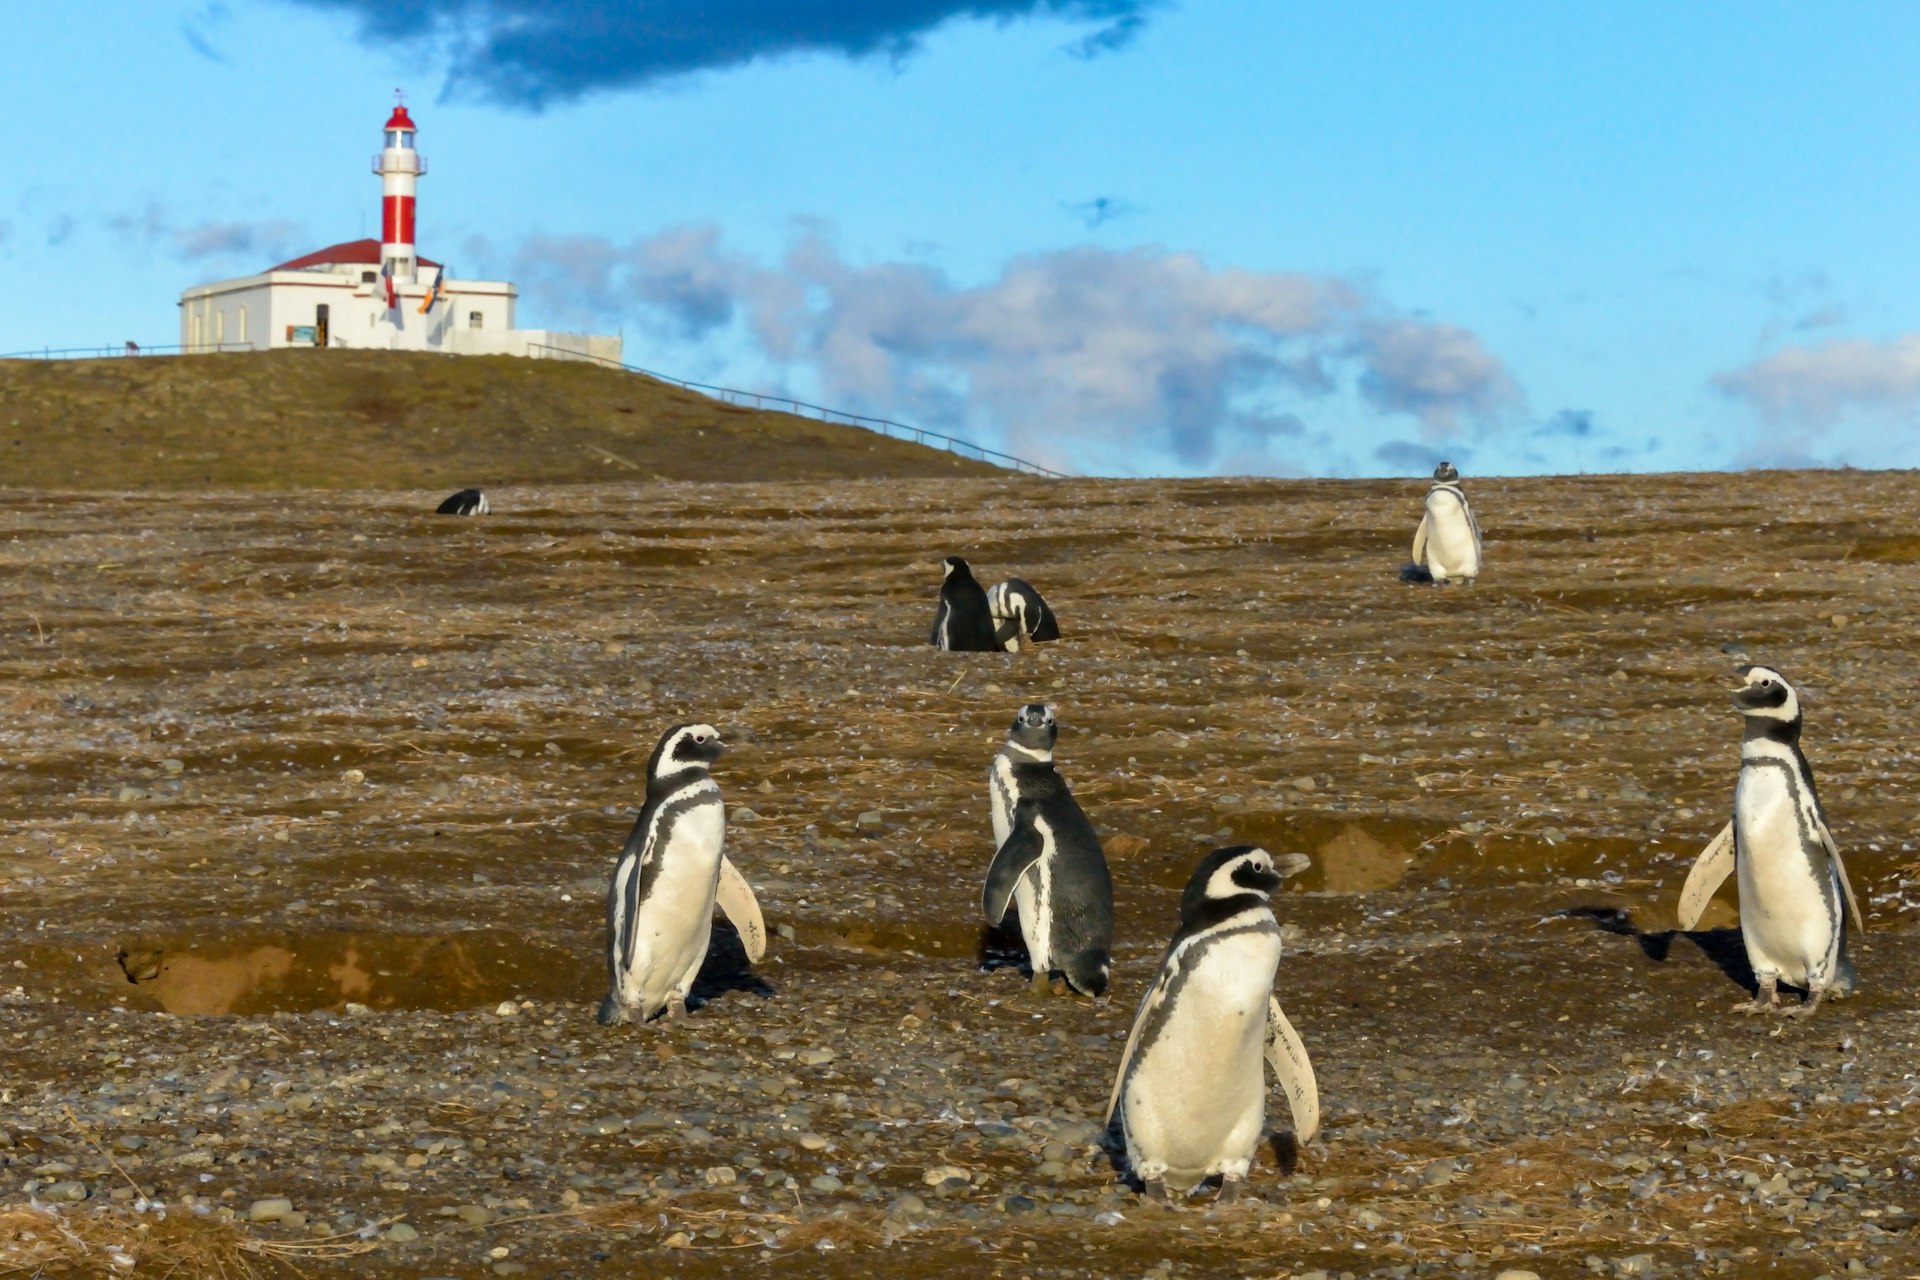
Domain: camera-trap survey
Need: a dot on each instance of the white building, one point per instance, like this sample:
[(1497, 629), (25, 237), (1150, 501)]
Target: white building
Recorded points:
[(376, 294)]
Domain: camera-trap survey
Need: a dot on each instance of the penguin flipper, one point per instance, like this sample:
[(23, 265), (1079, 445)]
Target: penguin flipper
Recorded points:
[(1420, 542), (1022, 849), (1854, 917), (1709, 872), (1133, 1041), (734, 896), (1294, 1070)]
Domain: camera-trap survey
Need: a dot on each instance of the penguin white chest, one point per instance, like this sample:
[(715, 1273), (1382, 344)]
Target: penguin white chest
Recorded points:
[(1789, 907), (1194, 1100), (675, 920), (1003, 793), (1453, 548)]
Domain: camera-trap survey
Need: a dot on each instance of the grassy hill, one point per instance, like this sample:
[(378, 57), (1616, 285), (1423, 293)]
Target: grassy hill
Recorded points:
[(366, 419)]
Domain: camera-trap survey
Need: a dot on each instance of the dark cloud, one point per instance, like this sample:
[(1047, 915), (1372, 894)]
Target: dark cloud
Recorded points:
[(264, 242), (1101, 210), (1574, 423), (60, 228), (1081, 351), (535, 53), (192, 30)]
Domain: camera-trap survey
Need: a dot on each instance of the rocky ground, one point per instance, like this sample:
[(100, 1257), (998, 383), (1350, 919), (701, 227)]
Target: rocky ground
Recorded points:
[(311, 806)]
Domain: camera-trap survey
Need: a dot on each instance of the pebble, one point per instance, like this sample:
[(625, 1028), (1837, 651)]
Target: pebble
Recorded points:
[(813, 1142), (1303, 784), (64, 1192), (474, 1215), (827, 1184), (870, 820), (269, 1210), (943, 1174), (720, 1175), (401, 1233), (814, 1057), (1514, 1273)]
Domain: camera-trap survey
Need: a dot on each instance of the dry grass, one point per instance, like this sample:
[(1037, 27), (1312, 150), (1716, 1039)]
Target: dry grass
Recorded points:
[(345, 419)]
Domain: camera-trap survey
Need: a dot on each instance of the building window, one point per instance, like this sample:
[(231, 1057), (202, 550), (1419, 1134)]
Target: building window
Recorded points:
[(242, 335), (219, 328), (475, 320), (368, 277)]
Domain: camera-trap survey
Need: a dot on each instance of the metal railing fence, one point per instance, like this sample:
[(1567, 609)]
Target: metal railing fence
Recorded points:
[(760, 400)]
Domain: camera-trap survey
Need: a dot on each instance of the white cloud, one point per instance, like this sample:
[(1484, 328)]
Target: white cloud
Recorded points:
[(1066, 354), (1814, 386)]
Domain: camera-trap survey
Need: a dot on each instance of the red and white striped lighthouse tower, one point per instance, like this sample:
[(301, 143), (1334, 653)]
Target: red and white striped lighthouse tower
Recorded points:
[(399, 167)]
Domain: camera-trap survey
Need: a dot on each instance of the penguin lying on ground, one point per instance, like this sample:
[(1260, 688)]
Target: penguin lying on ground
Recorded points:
[(1047, 859), (467, 502), (1020, 614), (1446, 546), (1190, 1096), (963, 622), (667, 881), (1795, 901)]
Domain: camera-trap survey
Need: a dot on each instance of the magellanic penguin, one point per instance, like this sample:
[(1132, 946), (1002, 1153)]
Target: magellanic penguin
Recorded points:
[(467, 502), (667, 881), (963, 622), (1446, 546), (1795, 902), (1190, 1096), (1020, 614), (1048, 860)]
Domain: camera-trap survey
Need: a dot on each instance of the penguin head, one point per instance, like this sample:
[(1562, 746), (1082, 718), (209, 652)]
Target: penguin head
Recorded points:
[(1034, 729), (1765, 694), (1445, 473), (952, 565), (1230, 873), (685, 746)]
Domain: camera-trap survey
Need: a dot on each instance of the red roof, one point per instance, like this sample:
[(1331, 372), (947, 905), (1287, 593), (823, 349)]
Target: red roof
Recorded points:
[(400, 119), (358, 253)]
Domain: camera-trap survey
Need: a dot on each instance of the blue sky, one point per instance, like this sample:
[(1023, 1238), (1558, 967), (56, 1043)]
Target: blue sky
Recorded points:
[(1134, 237)]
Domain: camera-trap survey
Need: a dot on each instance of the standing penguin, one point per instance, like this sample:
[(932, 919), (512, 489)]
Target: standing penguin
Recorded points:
[(1190, 1097), (963, 622), (1020, 614), (467, 502), (1446, 546), (1048, 860), (667, 881), (1795, 901)]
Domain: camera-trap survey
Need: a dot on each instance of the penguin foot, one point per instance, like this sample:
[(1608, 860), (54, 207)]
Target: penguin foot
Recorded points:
[(1812, 1002), (1229, 1190), (1057, 984), (610, 1014), (1765, 1000), (676, 1008), (1156, 1189), (1041, 984)]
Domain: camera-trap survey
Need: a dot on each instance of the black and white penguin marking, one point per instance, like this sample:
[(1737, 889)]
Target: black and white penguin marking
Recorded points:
[(1048, 860), (667, 880), (1795, 902), (467, 502), (963, 622), (1190, 1095), (1020, 614), (1446, 546)]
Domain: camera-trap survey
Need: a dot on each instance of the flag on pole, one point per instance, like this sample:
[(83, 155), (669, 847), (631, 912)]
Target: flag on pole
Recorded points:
[(386, 278)]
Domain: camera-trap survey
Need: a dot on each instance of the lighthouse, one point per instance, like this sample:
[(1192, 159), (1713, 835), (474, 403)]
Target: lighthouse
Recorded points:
[(399, 167), (375, 294)]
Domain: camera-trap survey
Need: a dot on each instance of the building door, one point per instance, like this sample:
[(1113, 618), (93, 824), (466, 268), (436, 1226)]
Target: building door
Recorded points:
[(320, 325)]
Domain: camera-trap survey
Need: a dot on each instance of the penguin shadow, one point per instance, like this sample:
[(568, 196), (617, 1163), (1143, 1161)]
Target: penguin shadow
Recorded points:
[(1001, 946), (726, 969), (1722, 946)]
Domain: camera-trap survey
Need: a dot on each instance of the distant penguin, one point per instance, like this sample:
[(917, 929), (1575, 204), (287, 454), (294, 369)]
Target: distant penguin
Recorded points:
[(963, 622), (1020, 614), (667, 881), (1446, 546), (1048, 860), (1190, 1095), (467, 502), (1795, 901)]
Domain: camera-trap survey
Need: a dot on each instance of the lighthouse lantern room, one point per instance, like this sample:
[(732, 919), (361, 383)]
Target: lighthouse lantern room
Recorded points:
[(374, 293)]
